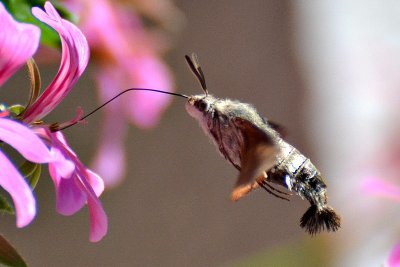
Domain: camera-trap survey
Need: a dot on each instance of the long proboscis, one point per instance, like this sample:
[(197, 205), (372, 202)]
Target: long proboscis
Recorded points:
[(118, 95)]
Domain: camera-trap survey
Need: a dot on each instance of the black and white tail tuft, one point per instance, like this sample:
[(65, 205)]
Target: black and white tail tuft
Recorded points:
[(315, 220)]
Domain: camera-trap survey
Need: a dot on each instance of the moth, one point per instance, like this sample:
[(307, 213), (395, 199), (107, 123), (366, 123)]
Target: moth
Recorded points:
[(255, 147)]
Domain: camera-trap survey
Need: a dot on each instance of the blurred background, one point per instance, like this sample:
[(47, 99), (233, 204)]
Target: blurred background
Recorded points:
[(327, 72)]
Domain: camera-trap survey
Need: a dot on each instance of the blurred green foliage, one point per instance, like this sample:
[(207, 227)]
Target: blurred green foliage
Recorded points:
[(6, 206), (307, 252), (31, 171)]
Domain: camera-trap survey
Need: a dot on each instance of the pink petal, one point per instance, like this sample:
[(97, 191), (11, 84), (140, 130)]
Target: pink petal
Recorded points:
[(61, 165), (394, 257), (110, 156), (12, 181), (146, 108), (110, 162), (83, 186), (95, 182), (24, 140), (98, 220), (70, 197), (74, 59), (379, 187), (18, 43)]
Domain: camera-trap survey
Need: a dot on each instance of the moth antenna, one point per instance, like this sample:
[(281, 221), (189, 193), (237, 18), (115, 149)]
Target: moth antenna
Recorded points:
[(196, 62), (194, 66), (113, 98), (315, 220)]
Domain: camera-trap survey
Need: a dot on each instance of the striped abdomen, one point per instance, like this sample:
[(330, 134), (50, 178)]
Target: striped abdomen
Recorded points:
[(296, 172)]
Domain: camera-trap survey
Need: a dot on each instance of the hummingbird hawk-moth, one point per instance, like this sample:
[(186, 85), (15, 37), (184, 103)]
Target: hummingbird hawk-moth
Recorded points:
[(255, 147)]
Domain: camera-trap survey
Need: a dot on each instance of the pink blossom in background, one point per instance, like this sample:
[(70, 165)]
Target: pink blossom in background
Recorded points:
[(394, 257), (163, 12), (377, 187), (374, 186), (110, 158), (126, 56), (120, 44), (385, 185), (18, 42)]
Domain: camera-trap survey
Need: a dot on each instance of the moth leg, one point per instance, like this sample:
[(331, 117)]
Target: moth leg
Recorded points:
[(267, 187), (243, 190), (262, 181), (275, 189)]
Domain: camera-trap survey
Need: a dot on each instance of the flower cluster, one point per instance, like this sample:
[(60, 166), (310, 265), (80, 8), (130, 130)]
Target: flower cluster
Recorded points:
[(37, 142), (126, 55)]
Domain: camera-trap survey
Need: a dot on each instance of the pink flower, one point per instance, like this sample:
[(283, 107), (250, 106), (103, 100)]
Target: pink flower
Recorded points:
[(18, 42), (75, 184), (127, 56)]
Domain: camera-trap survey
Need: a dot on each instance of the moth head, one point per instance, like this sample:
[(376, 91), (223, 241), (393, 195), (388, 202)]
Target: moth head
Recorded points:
[(199, 105)]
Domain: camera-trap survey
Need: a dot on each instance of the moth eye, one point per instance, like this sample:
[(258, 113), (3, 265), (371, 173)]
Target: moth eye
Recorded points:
[(201, 105)]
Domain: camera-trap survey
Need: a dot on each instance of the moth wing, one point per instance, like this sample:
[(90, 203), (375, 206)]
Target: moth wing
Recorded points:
[(258, 154), (218, 136)]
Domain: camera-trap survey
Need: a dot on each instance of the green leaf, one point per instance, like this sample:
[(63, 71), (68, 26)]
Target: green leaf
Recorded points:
[(34, 178), (9, 255), (16, 110), (21, 10), (31, 171), (27, 168), (6, 206)]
